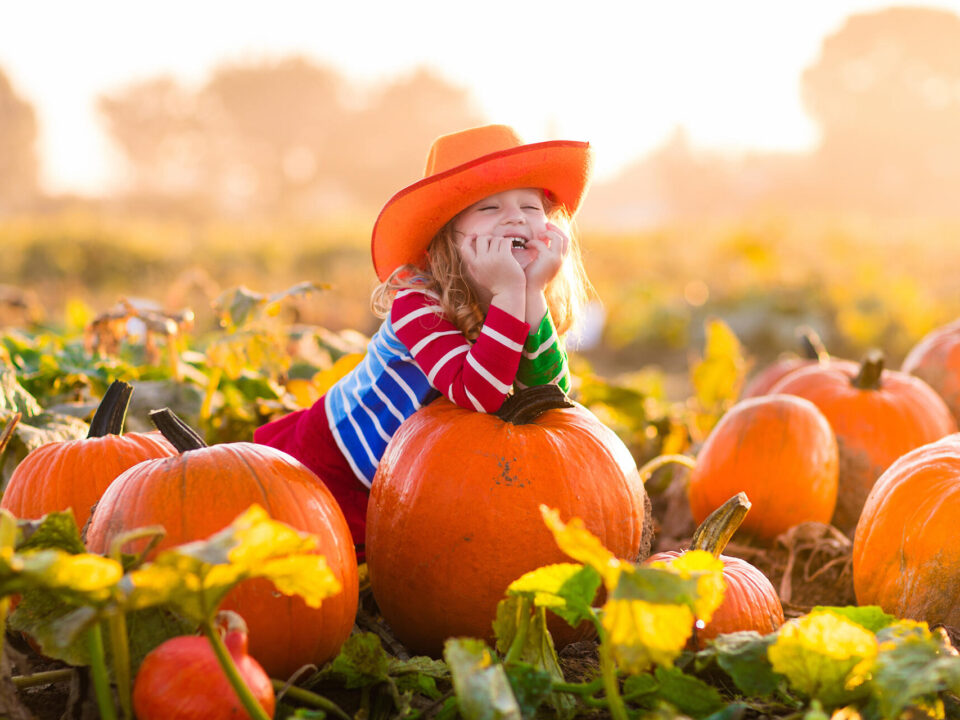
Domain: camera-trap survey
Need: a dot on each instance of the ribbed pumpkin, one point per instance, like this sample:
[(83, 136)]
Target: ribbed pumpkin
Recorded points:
[(877, 416), (936, 361), (74, 473), (905, 555), (780, 451), (454, 511), (750, 601), (202, 490), (812, 352)]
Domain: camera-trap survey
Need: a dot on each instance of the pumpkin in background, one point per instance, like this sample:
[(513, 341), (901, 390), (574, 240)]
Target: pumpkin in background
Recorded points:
[(812, 352), (454, 511), (906, 558), (75, 473), (202, 490), (936, 361), (877, 416), (780, 451), (750, 601)]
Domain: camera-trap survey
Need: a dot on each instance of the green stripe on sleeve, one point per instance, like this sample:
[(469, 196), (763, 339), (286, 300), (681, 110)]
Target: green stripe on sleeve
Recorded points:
[(544, 360)]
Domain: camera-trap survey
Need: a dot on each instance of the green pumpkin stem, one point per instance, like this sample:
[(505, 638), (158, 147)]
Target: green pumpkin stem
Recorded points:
[(527, 404), (719, 526), (181, 436), (112, 411), (871, 370)]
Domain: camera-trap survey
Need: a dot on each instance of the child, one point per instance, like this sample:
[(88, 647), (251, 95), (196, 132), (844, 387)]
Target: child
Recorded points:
[(478, 284)]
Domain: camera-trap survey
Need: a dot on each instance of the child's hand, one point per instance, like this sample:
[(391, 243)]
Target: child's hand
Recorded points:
[(552, 248), (490, 266)]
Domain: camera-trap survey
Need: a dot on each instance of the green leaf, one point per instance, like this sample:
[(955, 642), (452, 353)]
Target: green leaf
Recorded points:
[(194, 578), (82, 579), (913, 666), (743, 656), (824, 656), (530, 685), (482, 688), (52, 622), (54, 531), (870, 617), (567, 589), (14, 398), (419, 665), (688, 694), (362, 661)]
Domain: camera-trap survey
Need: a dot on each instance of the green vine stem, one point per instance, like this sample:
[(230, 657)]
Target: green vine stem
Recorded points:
[(523, 628), (611, 683), (871, 371), (112, 411), (8, 540), (98, 669), (117, 620), (181, 436), (527, 404), (247, 699), (310, 698), (8, 431), (651, 466), (719, 526), (47, 677)]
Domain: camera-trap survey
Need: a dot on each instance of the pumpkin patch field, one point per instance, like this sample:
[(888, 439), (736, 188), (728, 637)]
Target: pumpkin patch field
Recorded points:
[(723, 518)]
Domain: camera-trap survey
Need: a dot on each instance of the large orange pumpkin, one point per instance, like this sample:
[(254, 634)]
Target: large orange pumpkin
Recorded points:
[(780, 451), (74, 473), (454, 511), (877, 416), (936, 361), (750, 601), (905, 555), (201, 491)]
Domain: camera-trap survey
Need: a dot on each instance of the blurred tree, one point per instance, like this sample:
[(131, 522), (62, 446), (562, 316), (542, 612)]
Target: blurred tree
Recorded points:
[(287, 137), (18, 155), (886, 94)]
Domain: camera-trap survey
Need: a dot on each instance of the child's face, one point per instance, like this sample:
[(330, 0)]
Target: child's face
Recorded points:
[(517, 214)]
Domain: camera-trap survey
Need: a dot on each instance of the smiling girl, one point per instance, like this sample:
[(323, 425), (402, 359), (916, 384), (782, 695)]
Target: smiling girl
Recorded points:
[(480, 278)]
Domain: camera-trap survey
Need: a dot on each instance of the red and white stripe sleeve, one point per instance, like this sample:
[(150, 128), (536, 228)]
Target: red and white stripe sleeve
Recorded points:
[(477, 376)]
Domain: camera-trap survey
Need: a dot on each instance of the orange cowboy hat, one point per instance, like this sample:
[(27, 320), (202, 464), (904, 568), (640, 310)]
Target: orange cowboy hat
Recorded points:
[(467, 166)]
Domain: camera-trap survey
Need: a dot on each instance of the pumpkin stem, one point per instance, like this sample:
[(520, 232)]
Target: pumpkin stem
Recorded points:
[(719, 526), (112, 410), (527, 404), (811, 345), (181, 436), (871, 370)]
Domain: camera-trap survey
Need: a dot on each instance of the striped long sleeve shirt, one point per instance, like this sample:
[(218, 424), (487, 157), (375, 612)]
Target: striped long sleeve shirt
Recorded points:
[(416, 354)]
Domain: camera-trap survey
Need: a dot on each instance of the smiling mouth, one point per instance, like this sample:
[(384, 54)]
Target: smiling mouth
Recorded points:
[(518, 242)]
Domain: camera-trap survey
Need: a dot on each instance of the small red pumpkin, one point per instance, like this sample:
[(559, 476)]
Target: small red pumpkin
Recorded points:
[(812, 352), (936, 361), (181, 679), (877, 416), (750, 601), (780, 451), (906, 557), (454, 512), (75, 473), (202, 490)]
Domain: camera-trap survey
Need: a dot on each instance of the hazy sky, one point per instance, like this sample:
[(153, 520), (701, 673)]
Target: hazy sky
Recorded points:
[(620, 73)]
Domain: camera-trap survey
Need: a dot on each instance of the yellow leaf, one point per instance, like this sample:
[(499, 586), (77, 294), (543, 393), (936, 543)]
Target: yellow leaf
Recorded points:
[(304, 392), (819, 652), (85, 575), (710, 583), (642, 634), (306, 576), (324, 379), (717, 378), (582, 545)]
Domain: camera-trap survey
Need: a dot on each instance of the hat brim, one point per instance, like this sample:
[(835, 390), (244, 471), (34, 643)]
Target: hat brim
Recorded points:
[(411, 218)]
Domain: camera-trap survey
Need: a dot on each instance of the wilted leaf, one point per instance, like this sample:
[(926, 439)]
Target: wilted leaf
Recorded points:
[(743, 656), (580, 544), (870, 617), (483, 690), (362, 661), (530, 685), (81, 579), (819, 654), (54, 531), (688, 694)]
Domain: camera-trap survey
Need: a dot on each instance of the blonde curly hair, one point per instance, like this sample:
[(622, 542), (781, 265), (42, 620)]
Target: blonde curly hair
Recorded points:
[(443, 275)]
